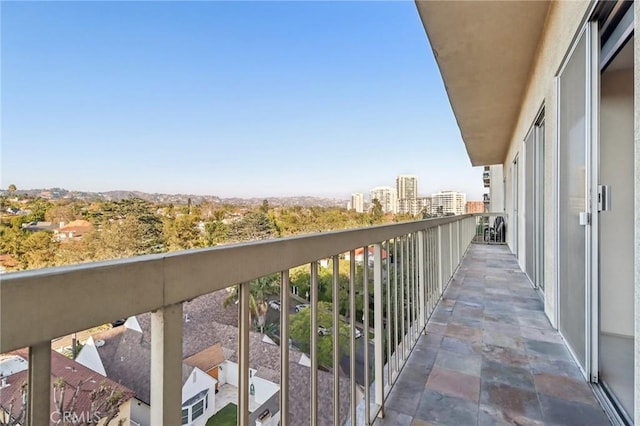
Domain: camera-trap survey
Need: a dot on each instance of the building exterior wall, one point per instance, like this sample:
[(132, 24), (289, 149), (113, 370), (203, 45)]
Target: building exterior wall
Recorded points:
[(198, 381), (496, 189), (124, 414), (407, 186), (357, 202), (474, 207), (448, 202), (388, 198), (563, 22), (140, 412)]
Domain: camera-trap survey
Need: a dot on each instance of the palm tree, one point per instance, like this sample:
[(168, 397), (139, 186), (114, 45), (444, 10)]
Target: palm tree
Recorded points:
[(260, 289)]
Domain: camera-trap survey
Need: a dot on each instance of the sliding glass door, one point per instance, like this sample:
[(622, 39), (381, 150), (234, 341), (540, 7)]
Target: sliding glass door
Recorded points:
[(572, 201)]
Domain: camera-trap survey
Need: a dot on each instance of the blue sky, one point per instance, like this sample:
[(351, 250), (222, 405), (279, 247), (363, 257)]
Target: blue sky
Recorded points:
[(225, 98)]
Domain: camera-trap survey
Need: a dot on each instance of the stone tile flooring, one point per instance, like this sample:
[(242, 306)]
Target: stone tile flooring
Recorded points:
[(490, 357)]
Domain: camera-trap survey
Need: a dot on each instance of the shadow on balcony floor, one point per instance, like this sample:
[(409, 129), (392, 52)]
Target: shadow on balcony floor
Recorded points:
[(490, 356)]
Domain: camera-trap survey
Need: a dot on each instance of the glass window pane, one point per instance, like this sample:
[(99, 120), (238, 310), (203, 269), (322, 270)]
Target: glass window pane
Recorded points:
[(572, 200)]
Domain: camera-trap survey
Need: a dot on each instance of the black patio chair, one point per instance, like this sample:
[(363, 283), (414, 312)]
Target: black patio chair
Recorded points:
[(496, 232)]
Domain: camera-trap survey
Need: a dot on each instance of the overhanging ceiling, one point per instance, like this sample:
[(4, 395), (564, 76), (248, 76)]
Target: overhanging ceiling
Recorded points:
[(485, 51)]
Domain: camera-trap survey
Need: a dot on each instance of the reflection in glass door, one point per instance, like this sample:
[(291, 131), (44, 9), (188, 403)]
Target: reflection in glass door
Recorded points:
[(615, 229), (572, 203)]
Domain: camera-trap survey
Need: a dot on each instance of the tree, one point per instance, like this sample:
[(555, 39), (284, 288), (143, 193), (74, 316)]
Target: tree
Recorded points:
[(264, 208), (39, 208), (105, 400), (301, 333), (252, 226), (182, 233), (260, 290), (20, 417), (130, 227), (12, 189), (61, 213), (215, 232), (38, 251), (376, 211)]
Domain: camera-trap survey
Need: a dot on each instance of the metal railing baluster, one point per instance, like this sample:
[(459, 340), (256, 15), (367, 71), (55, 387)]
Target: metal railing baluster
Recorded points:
[(378, 367), (314, 344), (352, 346), (365, 320), (336, 339), (284, 347)]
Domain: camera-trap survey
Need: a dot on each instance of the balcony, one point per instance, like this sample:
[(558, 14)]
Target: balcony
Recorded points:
[(488, 351), (490, 356)]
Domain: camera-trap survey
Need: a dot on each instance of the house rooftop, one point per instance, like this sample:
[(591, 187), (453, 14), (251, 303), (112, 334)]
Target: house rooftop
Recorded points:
[(74, 374)]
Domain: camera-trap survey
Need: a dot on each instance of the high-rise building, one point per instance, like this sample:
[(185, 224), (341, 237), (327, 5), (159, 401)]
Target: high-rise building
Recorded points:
[(407, 187), (407, 190), (448, 202), (423, 206), (474, 207), (357, 202), (387, 197)]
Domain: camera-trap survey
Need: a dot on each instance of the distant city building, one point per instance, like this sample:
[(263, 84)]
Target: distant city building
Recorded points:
[(423, 205), (357, 202), (407, 187), (415, 206), (474, 207), (448, 202), (387, 197), (407, 190)]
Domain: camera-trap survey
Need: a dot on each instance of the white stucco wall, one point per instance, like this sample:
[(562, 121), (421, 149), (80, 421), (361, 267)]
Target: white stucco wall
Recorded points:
[(264, 389), (197, 382), (563, 22), (140, 412), (496, 189), (90, 358)]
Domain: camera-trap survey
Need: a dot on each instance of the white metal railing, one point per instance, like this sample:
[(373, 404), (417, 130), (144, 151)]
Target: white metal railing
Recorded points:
[(421, 257)]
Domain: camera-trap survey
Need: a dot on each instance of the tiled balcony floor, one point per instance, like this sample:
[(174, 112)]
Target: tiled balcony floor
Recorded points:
[(491, 357)]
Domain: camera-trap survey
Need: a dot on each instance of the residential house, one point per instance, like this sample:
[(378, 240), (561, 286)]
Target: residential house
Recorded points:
[(71, 381), (205, 343), (359, 255), (74, 230), (39, 226), (124, 355)]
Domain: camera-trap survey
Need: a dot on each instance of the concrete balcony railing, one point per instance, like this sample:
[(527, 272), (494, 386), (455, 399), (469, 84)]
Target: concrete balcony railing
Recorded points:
[(411, 265)]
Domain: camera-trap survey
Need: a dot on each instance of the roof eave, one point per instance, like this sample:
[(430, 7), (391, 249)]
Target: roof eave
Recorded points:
[(485, 51)]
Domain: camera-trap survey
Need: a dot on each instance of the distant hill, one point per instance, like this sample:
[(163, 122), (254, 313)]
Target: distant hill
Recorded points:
[(179, 199)]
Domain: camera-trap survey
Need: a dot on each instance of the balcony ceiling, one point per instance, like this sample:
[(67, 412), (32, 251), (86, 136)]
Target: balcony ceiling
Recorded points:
[(485, 51)]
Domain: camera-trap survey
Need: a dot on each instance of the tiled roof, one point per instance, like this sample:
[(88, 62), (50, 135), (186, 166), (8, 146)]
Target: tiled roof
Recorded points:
[(360, 251), (209, 323), (61, 367), (76, 224), (207, 358)]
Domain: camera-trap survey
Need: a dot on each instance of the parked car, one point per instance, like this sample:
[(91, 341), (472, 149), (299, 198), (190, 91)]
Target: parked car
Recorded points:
[(119, 322), (358, 333), (302, 306), (274, 304), (324, 331)]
